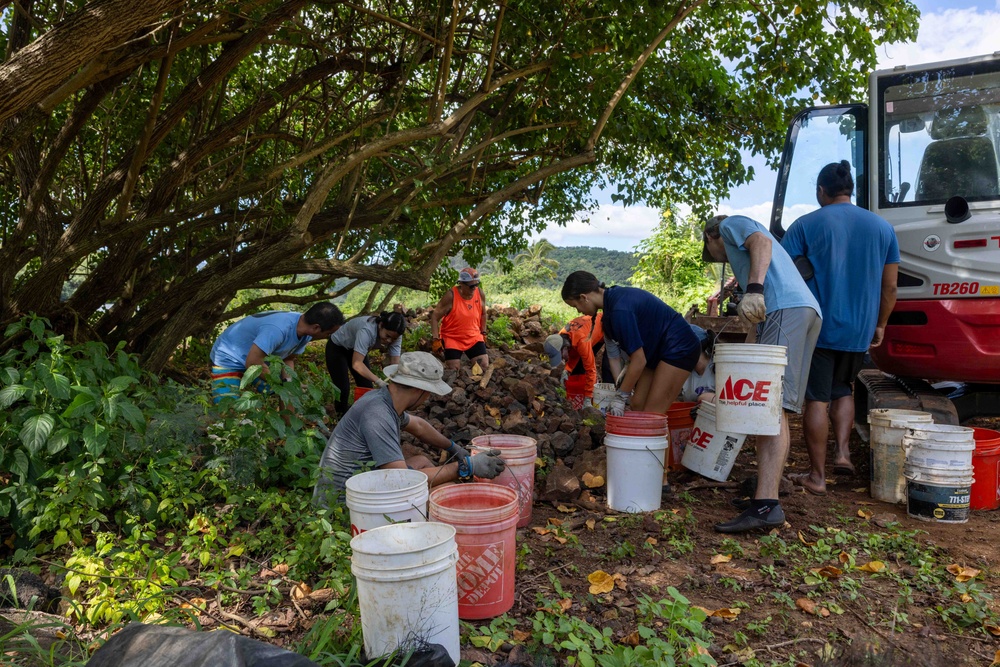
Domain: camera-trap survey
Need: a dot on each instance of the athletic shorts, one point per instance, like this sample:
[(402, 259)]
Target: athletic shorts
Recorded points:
[(832, 373), (477, 350), (685, 362), (226, 383), (797, 329)]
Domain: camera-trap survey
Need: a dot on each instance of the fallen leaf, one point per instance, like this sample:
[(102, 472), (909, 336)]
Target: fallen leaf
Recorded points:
[(281, 568), (803, 540), (965, 597), (555, 522), (806, 605), (592, 481), (590, 524), (586, 497), (707, 612), (565, 604), (720, 558), (992, 628), (477, 370), (566, 510), (844, 557), (265, 631), (866, 514), (521, 635), (873, 566), (860, 489), (620, 581), (828, 572), (963, 574), (300, 591), (600, 582), (541, 531), (996, 659), (632, 639), (560, 540), (539, 463), (728, 613), (651, 541), (675, 512)]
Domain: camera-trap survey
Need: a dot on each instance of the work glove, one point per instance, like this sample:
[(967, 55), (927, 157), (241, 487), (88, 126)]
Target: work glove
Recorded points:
[(437, 346), (563, 378), (487, 465), (621, 376), (752, 309), (379, 383), (619, 403), (456, 451)]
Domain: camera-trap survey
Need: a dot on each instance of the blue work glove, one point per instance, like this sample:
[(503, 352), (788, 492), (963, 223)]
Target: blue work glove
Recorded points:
[(456, 451), (619, 403)]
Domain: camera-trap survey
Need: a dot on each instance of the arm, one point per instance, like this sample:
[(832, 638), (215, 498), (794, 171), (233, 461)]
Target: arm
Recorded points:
[(637, 362), (436, 475), (759, 247), (358, 366), (889, 274), (256, 358), (483, 320), (442, 308), (424, 432)]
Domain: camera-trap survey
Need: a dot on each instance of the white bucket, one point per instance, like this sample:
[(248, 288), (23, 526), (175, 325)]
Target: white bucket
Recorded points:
[(407, 587), (709, 451), (635, 472), (940, 447), (381, 497), (603, 393), (888, 426), (748, 379), (938, 472)]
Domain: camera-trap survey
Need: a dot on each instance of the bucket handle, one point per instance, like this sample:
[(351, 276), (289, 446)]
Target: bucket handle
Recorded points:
[(412, 506), (663, 466)]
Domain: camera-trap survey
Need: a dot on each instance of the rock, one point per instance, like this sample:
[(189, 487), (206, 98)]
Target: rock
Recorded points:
[(29, 591), (523, 391), (562, 443), (520, 657), (561, 484)]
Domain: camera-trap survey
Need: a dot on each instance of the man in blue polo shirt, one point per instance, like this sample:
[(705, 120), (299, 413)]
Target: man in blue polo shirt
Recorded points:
[(853, 257), (247, 342)]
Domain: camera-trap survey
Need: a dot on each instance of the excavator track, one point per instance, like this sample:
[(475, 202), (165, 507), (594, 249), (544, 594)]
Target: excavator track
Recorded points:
[(875, 390)]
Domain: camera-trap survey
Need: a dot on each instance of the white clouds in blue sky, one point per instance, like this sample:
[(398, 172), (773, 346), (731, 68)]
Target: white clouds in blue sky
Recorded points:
[(949, 29)]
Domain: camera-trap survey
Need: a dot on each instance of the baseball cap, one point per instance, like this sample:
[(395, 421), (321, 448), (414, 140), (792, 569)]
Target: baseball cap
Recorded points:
[(553, 348), (421, 370), (711, 225), (468, 275)]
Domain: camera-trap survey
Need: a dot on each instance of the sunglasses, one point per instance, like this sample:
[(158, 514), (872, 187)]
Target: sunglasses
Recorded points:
[(471, 284)]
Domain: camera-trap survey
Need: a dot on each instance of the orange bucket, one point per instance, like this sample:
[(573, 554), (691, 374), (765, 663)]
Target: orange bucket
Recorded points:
[(985, 470), (681, 422), (361, 391)]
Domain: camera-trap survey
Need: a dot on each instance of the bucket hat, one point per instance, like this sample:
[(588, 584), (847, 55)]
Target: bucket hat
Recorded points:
[(468, 275), (421, 370), (553, 348), (711, 225)]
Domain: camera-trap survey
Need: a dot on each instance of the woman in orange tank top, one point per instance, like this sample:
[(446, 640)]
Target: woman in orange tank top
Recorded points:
[(458, 322)]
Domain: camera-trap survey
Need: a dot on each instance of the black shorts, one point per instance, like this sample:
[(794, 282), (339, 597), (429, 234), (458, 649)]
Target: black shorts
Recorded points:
[(685, 362), (477, 350), (832, 373)]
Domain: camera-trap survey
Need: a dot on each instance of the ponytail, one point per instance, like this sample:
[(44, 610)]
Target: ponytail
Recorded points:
[(392, 321)]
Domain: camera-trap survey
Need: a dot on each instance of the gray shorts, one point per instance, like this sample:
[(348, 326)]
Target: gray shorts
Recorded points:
[(797, 329)]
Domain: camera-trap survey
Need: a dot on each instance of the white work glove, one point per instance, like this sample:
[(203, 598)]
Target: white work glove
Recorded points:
[(379, 383), (487, 465), (619, 403), (752, 309), (621, 376)]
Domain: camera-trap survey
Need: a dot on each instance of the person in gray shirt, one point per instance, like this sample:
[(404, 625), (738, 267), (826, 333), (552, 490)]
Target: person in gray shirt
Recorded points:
[(368, 435), (348, 348)]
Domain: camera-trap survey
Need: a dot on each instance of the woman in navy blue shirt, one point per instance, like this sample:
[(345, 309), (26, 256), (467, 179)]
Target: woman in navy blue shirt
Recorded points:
[(661, 347)]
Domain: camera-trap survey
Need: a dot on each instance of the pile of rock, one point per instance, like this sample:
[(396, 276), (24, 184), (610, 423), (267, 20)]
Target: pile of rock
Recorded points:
[(526, 324)]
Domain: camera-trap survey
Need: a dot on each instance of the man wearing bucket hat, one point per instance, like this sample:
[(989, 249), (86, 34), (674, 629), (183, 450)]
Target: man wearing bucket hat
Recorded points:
[(458, 322), (784, 312), (851, 260), (369, 433)]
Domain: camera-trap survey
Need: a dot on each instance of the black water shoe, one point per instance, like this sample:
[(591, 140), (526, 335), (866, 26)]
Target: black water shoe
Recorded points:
[(752, 519)]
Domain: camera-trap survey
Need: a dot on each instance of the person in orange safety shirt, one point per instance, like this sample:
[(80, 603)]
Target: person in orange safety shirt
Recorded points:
[(458, 322), (578, 344)]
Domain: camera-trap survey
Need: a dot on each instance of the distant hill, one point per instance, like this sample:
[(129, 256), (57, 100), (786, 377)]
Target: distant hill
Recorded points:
[(611, 266)]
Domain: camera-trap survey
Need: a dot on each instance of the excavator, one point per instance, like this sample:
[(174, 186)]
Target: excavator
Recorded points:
[(924, 149)]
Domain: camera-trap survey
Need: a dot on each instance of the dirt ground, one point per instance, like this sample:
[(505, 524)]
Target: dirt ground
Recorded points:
[(763, 588)]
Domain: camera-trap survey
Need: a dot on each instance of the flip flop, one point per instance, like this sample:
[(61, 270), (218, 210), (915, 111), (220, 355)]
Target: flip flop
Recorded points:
[(798, 480), (844, 469)]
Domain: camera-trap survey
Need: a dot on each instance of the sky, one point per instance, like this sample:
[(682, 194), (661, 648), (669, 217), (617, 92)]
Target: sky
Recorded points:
[(948, 29)]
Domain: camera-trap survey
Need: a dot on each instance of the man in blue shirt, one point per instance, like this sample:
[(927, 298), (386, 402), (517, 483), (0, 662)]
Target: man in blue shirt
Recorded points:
[(785, 312), (247, 342), (853, 256)]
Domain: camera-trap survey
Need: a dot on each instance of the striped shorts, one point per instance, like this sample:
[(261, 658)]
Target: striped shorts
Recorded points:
[(226, 383)]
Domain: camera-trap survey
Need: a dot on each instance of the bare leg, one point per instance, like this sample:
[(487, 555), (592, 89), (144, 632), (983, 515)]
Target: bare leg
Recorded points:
[(664, 387), (816, 425), (772, 452), (641, 391), (842, 416), (483, 360), (453, 364)]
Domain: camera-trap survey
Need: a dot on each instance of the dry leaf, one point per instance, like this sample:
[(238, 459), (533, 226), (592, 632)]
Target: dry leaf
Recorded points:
[(521, 636), (992, 629), (592, 481), (720, 558), (632, 639), (281, 568), (803, 540), (590, 524), (707, 612), (728, 613), (651, 541), (539, 463), (560, 540), (996, 659), (963, 574), (620, 581), (300, 591), (600, 582), (828, 572), (965, 597), (860, 489), (555, 522), (806, 605), (586, 497), (565, 604), (866, 514), (566, 510), (873, 566), (541, 531), (477, 370), (844, 557)]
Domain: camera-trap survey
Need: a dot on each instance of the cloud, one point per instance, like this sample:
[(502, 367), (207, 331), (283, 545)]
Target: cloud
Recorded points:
[(946, 34), (610, 226)]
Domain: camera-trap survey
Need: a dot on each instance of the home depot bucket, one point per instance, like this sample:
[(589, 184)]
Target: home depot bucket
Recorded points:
[(938, 472), (748, 379), (709, 451), (986, 470), (603, 393), (407, 589), (680, 422), (636, 445), (381, 497), (888, 426), (485, 518), (519, 453), (576, 391), (361, 391)]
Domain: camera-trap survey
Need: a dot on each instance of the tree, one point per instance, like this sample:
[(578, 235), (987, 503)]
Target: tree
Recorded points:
[(670, 264), (188, 150)]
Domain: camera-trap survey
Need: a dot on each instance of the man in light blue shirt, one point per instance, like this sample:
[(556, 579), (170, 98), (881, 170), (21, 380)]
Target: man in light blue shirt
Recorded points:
[(853, 257), (786, 313), (247, 342)]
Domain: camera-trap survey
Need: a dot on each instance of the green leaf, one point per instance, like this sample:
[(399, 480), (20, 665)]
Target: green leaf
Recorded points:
[(10, 375), (84, 401), (585, 659), (36, 430), (37, 327), (20, 463), (59, 440), (252, 374), (132, 415), (95, 439), (12, 394), (122, 382), (13, 328), (58, 386)]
